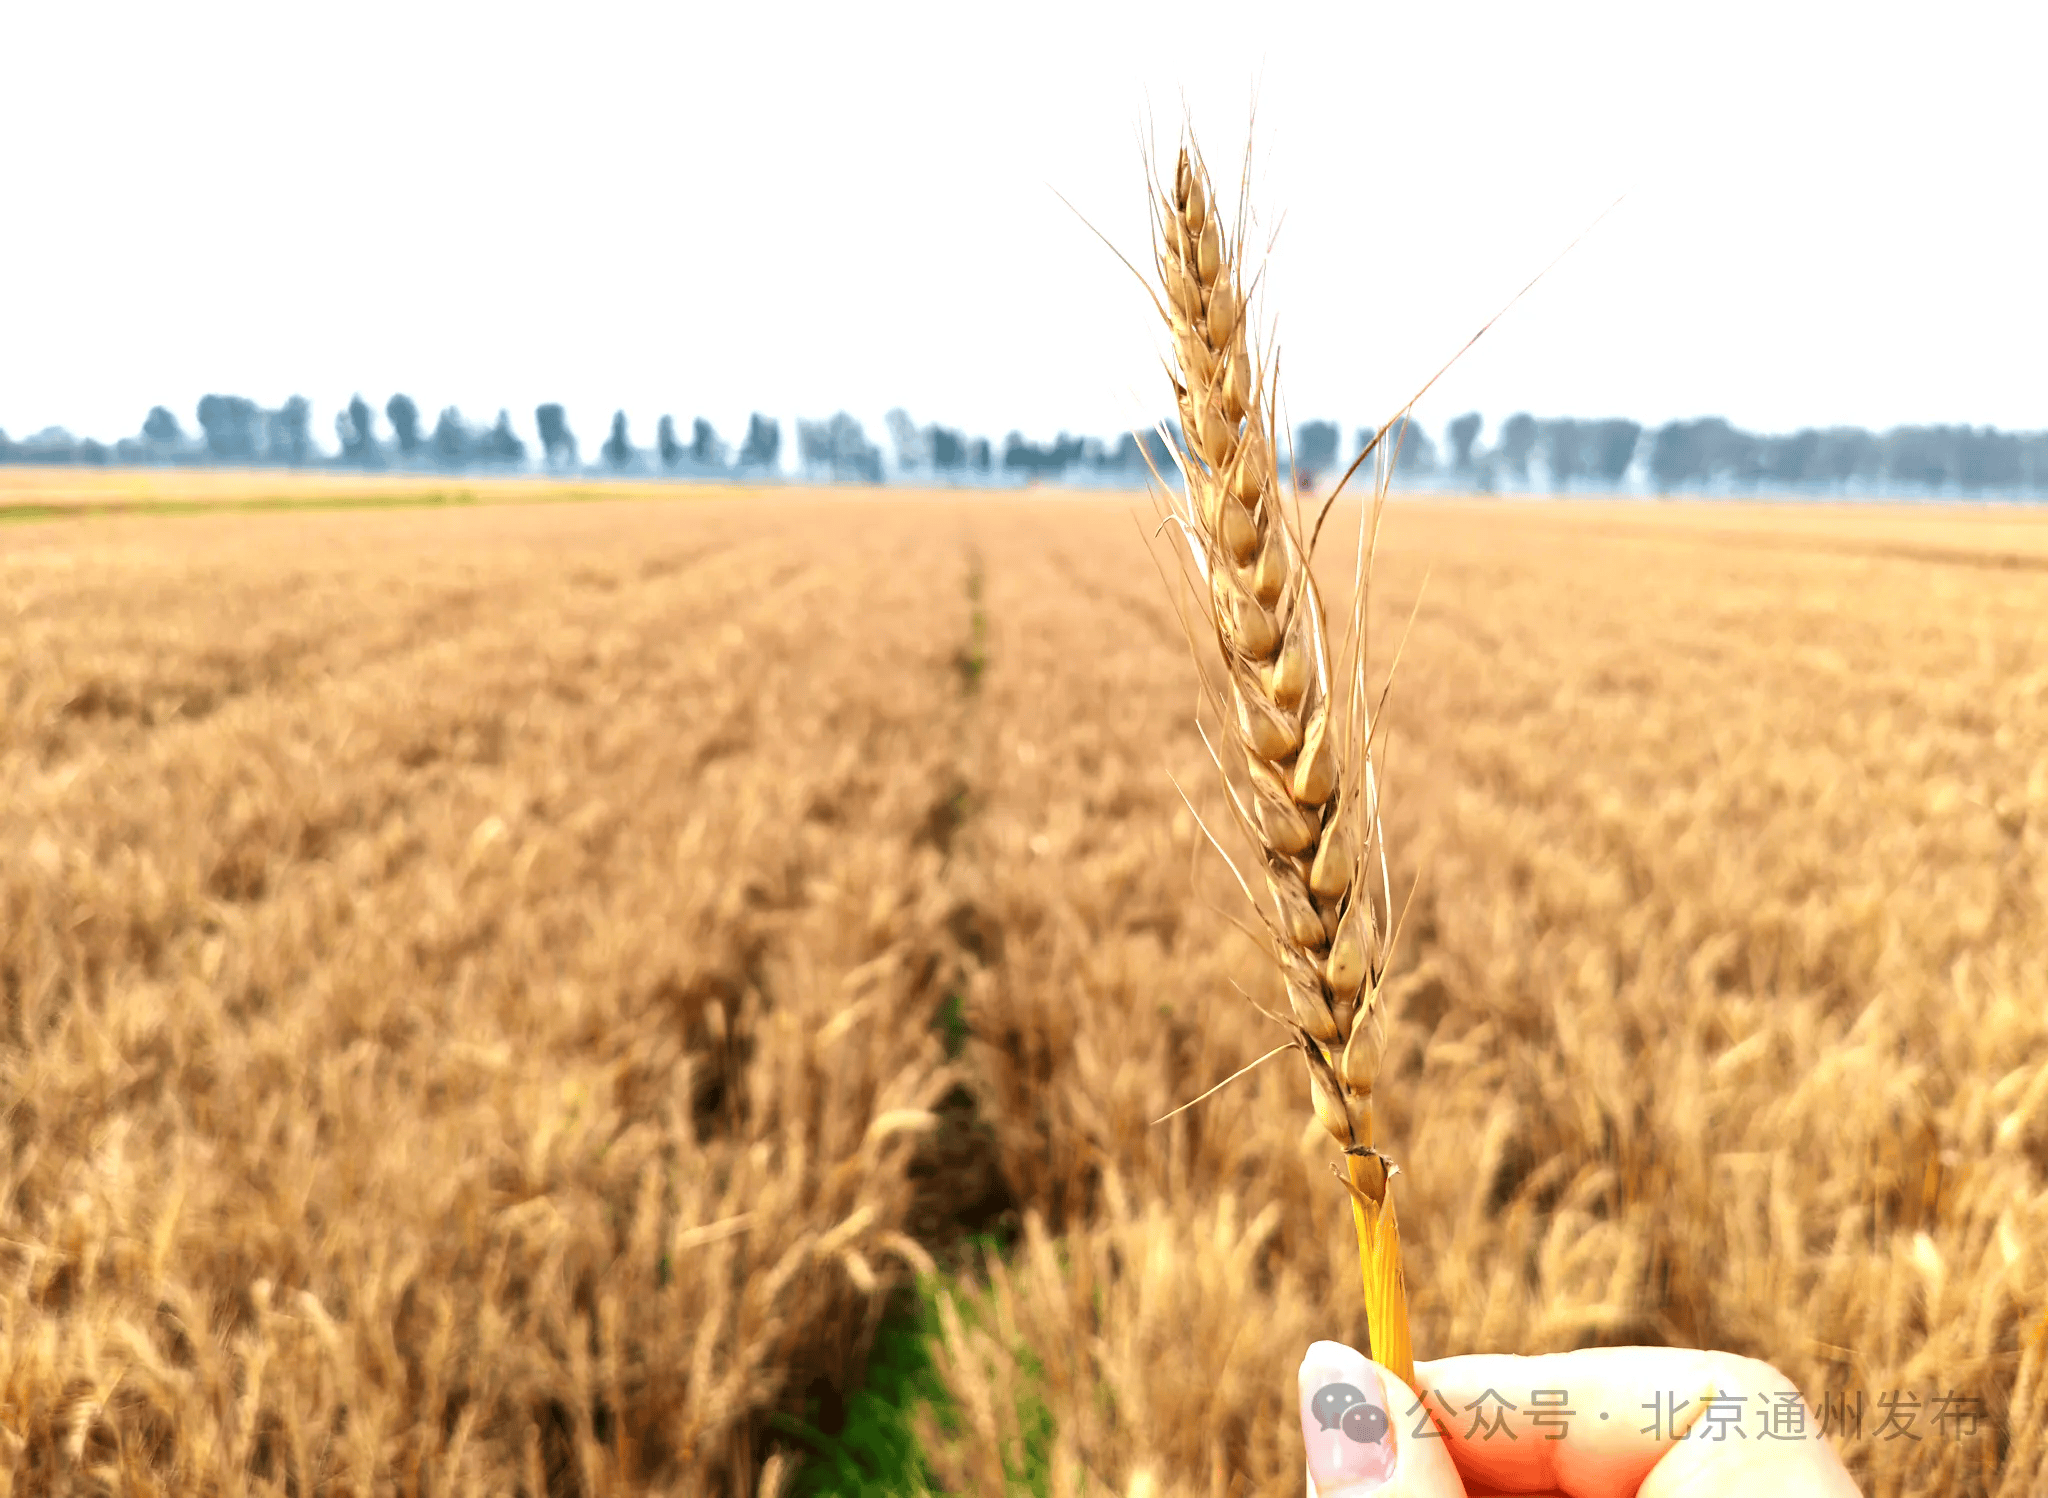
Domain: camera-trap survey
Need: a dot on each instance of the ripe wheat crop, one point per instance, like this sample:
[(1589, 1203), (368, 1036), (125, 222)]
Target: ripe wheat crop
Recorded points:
[(505, 999), (1300, 728)]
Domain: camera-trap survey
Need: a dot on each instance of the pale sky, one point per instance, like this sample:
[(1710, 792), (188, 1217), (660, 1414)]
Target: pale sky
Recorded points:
[(1834, 213)]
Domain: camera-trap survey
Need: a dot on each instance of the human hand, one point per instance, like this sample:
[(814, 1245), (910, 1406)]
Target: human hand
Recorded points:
[(1368, 1436)]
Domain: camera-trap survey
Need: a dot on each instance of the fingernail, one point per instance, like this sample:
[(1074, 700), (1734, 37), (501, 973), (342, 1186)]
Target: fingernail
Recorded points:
[(1345, 1421)]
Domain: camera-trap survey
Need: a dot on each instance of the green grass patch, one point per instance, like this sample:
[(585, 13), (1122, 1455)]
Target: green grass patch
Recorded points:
[(972, 659), (876, 1453), (951, 1025)]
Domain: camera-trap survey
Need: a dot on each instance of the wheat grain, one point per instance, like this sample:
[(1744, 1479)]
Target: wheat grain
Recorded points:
[(1296, 734)]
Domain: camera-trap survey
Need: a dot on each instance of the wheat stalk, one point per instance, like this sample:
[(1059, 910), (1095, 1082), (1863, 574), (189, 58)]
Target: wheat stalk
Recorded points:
[(1307, 793)]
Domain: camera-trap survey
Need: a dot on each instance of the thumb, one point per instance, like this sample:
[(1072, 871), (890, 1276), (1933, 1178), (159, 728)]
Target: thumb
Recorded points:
[(1367, 1433)]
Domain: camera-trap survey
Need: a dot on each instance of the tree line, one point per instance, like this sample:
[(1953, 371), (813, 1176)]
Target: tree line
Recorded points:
[(1708, 455), (235, 431)]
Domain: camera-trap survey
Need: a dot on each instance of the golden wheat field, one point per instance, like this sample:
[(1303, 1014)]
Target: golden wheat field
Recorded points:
[(501, 1000), (29, 493)]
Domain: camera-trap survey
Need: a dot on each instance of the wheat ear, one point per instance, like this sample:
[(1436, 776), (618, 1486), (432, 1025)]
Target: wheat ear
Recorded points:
[(1307, 795)]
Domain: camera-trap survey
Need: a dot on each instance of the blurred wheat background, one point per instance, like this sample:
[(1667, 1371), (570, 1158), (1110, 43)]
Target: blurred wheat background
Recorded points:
[(521, 999)]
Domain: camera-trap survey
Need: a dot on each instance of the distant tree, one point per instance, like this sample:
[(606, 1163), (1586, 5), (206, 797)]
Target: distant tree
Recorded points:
[(1931, 458), (1702, 453), (160, 428), (161, 440), (982, 457), (1845, 455), (618, 448), (90, 450), (947, 447), (706, 451), (1739, 456), (52, 445), (1911, 460), (2007, 465), (1561, 452), (913, 453), (814, 446), (853, 455), (404, 417), (1315, 450), (1992, 459), (1790, 461), (2034, 462), (289, 432), (230, 423), (356, 428), (557, 442), (451, 441), (1036, 462), (1942, 459), (1675, 456), (504, 445), (1020, 456), (763, 446), (1127, 458), (1462, 433), (839, 449), (1412, 450), (665, 442), (1517, 441), (1610, 448)]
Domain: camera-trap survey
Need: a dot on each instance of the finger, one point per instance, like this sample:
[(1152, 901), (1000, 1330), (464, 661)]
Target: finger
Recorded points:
[(1801, 1465), (1622, 1422), (1358, 1444), (1489, 1404)]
